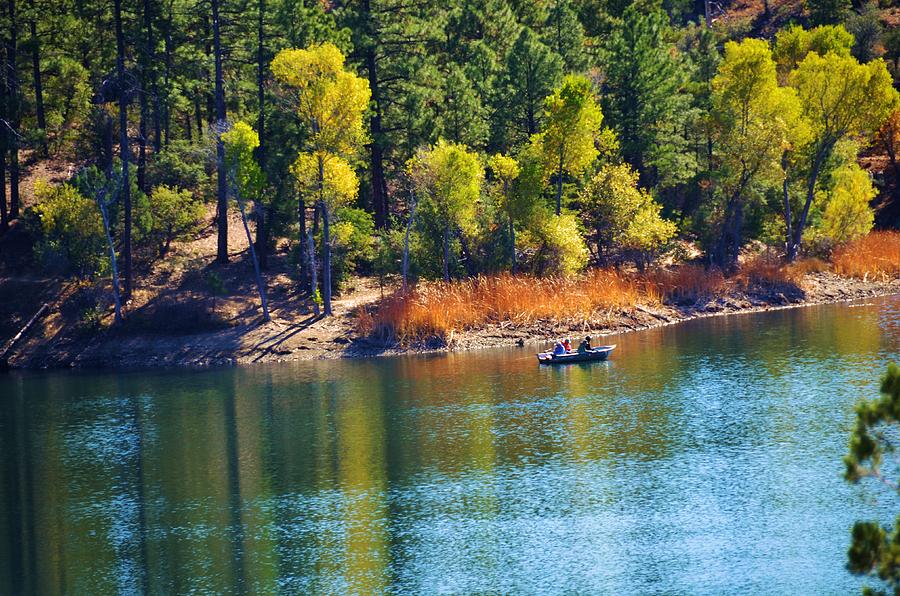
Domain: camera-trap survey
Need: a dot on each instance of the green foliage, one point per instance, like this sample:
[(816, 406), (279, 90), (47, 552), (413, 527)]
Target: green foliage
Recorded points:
[(571, 129), (532, 72), (448, 179), (329, 99), (642, 92), (621, 215), (176, 215), (754, 120), (505, 170), (842, 98), (794, 43), (70, 229), (847, 215), (339, 184), (90, 181), (67, 93), (865, 26), (556, 245), (353, 241), (181, 165), (564, 33), (875, 550), (825, 12), (240, 143)]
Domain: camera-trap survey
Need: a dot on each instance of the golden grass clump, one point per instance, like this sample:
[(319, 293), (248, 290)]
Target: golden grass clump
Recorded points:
[(763, 271), (436, 309), (875, 256), (686, 283)]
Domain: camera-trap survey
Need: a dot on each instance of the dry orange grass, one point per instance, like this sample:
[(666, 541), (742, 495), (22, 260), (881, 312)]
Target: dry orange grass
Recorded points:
[(802, 267), (875, 256), (765, 272), (686, 283), (436, 309)]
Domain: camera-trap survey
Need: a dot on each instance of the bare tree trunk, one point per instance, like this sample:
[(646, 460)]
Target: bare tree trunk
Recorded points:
[(446, 244), (820, 157), (38, 86), (221, 190), (260, 285), (145, 66), (409, 224), (198, 116), (123, 146), (559, 174), (790, 249), (311, 251), (305, 282), (326, 259), (512, 244), (326, 239), (142, 139), (117, 300)]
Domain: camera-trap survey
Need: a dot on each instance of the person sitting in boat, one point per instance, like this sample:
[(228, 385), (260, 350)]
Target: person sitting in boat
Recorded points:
[(585, 345), (567, 344), (559, 349)]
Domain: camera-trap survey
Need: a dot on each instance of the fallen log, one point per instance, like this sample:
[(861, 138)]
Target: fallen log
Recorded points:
[(4, 359)]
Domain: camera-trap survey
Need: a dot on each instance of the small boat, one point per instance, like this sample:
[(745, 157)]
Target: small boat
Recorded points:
[(593, 355)]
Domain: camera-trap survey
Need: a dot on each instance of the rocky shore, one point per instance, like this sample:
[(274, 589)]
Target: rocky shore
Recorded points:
[(306, 337)]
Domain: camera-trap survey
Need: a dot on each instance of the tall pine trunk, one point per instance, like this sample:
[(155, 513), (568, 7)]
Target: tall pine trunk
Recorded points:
[(379, 186), (123, 149), (39, 111), (4, 135), (142, 138), (12, 74), (262, 240), (167, 73), (151, 72), (221, 187)]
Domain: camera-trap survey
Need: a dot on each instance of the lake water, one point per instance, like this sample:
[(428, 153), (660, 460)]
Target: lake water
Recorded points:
[(703, 458)]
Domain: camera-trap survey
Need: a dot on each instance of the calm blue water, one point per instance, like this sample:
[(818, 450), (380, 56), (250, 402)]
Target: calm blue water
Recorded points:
[(703, 458)]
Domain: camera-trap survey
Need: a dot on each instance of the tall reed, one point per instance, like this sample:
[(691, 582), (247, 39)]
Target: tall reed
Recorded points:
[(875, 256)]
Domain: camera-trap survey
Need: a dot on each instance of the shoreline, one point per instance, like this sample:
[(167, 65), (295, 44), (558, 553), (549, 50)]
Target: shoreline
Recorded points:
[(335, 337)]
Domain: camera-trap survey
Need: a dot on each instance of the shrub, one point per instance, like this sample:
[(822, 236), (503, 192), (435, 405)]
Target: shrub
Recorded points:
[(70, 229), (557, 245), (353, 242), (176, 214), (180, 165), (847, 215), (622, 215)]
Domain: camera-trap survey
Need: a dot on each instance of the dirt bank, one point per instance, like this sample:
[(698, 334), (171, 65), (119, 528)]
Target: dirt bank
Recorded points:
[(149, 340)]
